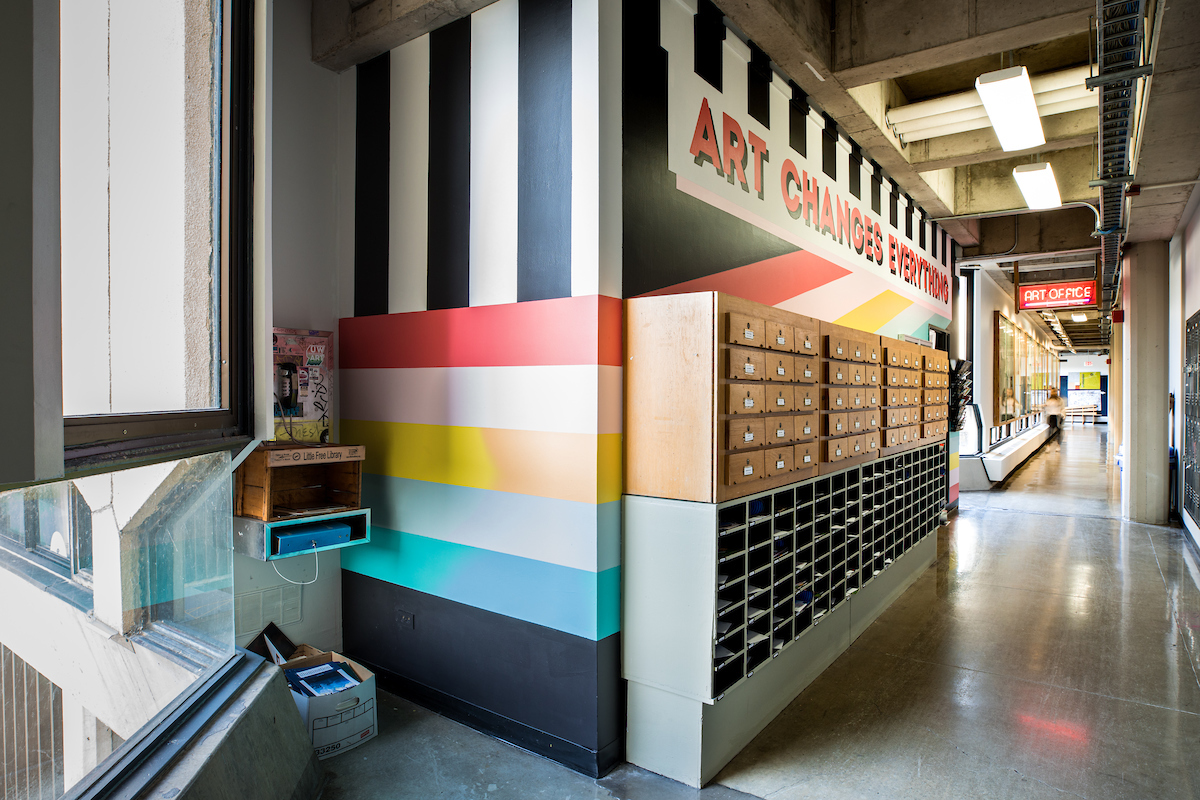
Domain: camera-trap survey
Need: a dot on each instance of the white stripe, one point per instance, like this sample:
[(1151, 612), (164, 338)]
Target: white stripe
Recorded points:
[(558, 399), (408, 252), (495, 34), (585, 148)]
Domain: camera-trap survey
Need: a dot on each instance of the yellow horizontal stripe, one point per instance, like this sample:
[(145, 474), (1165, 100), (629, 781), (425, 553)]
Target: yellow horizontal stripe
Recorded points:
[(953, 460), (583, 467), (876, 312)]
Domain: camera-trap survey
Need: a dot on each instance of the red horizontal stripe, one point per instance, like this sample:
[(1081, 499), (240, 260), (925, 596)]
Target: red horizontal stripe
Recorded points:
[(768, 282), (568, 330)]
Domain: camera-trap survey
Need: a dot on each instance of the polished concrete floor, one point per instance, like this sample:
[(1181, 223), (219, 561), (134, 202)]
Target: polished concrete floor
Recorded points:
[(1051, 651)]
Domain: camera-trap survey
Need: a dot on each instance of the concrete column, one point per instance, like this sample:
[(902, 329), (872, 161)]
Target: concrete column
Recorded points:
[(1115, 390), (30, 321), (1145, 435)]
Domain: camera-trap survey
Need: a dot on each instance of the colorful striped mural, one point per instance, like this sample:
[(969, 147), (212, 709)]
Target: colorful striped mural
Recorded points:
[(493, 471), (952, 482)]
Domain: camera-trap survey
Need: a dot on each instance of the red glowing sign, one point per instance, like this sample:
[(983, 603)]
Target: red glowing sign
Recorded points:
[(1058, 295)]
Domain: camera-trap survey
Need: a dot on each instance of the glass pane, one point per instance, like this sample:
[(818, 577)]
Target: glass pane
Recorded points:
[(139, 162), (161, 536)]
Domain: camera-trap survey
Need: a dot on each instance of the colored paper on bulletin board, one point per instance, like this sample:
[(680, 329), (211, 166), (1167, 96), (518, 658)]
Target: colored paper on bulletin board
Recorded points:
[(1089, 380)]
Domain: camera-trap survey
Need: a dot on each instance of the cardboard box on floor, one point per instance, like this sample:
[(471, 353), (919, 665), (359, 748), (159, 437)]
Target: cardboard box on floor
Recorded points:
[(336, 722)]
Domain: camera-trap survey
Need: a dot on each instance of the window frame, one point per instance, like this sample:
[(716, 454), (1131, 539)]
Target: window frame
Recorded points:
[(94, 442)]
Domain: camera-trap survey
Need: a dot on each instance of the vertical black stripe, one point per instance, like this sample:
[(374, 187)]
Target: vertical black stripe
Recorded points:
[(946, 244), (922, 223), (708, 37), (544, 150), (758, 85), (798, 120), (448, 283), (856, 160), (933, 230), (908, 217), (893, 207), (876, 189), (372, 146), (829, 147)]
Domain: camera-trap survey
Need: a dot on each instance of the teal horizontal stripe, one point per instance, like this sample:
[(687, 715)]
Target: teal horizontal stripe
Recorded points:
[(564, 532), (575, 601)]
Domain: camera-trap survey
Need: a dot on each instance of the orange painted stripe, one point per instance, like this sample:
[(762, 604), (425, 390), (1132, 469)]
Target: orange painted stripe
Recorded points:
[(582, 467)]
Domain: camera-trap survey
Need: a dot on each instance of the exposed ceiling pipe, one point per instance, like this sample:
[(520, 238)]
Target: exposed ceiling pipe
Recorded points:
[(1007, 212)]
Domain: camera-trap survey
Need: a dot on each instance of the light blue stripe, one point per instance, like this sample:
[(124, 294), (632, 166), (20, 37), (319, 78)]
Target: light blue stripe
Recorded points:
[(574, 601), (577, 535)]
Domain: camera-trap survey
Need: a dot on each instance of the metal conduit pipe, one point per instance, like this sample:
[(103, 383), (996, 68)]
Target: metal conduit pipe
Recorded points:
[(986, 214)]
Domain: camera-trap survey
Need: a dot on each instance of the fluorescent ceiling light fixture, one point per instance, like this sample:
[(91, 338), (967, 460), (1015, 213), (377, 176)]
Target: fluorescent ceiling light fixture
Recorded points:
[(1079, 317), (1008, 99), (1037, 185)]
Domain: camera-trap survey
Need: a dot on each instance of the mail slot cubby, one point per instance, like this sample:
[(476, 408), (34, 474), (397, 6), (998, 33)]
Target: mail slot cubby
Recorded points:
[(836, 450), (873, 417), (874, 395), (780, 398), (806, 426), (856, 421), (933, 397), (837, 372), (835, 347), (857, 398), (743, 398), (780, 367), (745, 434), (858, 375), (857, 349), (780, 430), (893, 376), (910, 396), (806, 370), (779, 336), (744, 330), (837, 399), (892, 417), (742, 364), (874, 375)]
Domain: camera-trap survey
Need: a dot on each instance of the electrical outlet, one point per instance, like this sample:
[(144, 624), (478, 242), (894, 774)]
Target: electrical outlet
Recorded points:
[(406, 619)]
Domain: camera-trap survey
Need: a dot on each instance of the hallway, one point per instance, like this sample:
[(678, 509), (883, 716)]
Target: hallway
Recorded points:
[(1050, 651)]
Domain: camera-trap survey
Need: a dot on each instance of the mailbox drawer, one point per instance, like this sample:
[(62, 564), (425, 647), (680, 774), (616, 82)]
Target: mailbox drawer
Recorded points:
[(859, 375), (806, 341), (837, 424), (873, 395), (808, 398), (836, 450), (744, 467), (806, 426), (858, 398), (744, 365), (874, 441), (857, 350), (780, 431), (778, 337), (779, 460), (745, 434), (780, 398), (742, 329), (874, 417), (806, 370), (835, 347), (806, 455), (742, 398), (874, 373), (837, 399), (856, 422), (892, 437), (780, 367), (837, 372)]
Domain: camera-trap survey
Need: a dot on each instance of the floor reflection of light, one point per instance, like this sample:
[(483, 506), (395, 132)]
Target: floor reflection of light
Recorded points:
[(966, 547), (1064, 732)]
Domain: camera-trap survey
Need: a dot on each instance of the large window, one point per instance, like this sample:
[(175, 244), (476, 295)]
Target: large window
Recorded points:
[(150, 284), (1026, 371)]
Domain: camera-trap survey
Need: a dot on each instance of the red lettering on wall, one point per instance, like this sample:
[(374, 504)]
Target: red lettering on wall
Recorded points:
[(704, 140), (843, 219), (812, 201), (856, 230), (787, 177), (827, 214), (760, 155), (735, 151), (892, 253)]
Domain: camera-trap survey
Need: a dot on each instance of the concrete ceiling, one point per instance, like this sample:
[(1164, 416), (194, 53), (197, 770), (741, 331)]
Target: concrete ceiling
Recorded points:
[(859, 58)]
